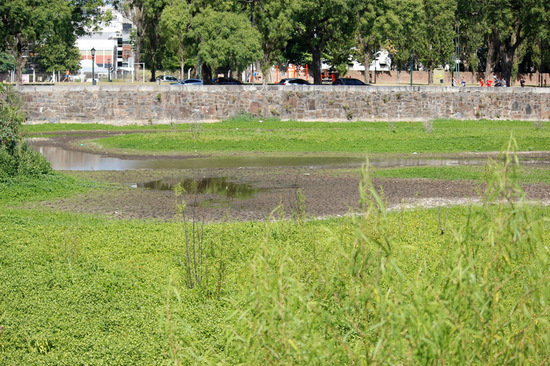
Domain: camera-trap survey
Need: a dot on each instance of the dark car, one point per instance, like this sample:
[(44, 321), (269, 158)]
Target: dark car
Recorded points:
[(293, 81), (226, 81), (348, 81), (189, 82)]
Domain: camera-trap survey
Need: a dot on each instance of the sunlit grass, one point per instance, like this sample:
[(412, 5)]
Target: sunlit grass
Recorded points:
[(359, 138)]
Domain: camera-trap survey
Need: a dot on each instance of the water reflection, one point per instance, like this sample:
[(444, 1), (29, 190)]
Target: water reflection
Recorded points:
[(219, 186), (62, 159)]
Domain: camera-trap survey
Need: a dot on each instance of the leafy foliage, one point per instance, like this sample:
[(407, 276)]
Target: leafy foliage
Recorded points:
[(226, 39), (11, 118), (378, 287), (29, 26)]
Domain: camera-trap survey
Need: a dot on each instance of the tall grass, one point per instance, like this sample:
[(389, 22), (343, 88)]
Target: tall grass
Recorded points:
[(483, 299)]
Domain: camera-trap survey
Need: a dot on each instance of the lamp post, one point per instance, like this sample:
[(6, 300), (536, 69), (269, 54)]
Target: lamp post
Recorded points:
[(412, 58), (93, 63)]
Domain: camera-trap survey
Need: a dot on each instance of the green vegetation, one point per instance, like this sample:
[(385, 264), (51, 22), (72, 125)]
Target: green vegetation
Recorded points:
[(463, 285), (460, 285), (447, 136), (45, 31), (475, 173)]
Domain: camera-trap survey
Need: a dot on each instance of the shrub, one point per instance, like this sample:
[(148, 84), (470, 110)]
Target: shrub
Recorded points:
[(23, 161), (16, 157), (11, 117)]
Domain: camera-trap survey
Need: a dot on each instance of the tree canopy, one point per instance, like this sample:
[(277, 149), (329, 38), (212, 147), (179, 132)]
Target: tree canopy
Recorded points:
[(499, 36), (47, 28)]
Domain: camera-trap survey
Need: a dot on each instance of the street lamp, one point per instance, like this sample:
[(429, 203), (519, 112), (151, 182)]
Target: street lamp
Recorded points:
[(93, 63)]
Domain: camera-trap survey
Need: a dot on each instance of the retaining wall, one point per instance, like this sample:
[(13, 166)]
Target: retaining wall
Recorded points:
[(142, 104)]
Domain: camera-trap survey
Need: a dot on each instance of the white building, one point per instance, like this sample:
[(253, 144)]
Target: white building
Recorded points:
[(111, 44)]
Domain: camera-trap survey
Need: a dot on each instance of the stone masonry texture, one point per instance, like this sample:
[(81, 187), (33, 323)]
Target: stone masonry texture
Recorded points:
[(153, 104)]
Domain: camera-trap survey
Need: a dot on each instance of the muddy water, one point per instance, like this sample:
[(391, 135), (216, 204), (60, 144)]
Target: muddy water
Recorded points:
[(219, 186), (63, 159)]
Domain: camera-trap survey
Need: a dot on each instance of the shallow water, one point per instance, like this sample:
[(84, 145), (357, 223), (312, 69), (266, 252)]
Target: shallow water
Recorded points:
[(219, 186), (63, 159)]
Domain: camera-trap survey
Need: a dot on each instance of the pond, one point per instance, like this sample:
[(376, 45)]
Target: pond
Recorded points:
[(65, 159)]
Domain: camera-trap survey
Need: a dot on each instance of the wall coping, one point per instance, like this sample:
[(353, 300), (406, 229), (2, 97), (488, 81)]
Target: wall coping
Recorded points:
[(303, 88)]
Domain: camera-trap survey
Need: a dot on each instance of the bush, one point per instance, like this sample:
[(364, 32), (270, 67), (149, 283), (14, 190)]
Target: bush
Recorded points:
[(23, 161), (11, 118), (16, 157)]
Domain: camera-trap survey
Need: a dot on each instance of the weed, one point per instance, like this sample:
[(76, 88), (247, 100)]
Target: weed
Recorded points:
[(299, 213), (349, 113), (428, 125), (196, 268), (159, 97)]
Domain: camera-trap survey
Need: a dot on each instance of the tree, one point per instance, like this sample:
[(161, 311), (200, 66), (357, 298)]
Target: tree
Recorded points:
[(513, 23), (320, 22), (273, 20), (146, 35), (155, 46), (378, 25), (472, 35), (175, 23), (7, 62), (224, 38), (28, 25), (437, 35), (407, 42)]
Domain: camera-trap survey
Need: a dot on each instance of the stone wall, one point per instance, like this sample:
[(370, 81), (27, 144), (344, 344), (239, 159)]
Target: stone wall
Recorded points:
[(142, 104)]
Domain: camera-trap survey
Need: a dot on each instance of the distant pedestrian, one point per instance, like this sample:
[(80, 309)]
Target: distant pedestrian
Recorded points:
[(522, 82), (463, 82), (503, 83), (454, 81), (67, 76), (482, 82)]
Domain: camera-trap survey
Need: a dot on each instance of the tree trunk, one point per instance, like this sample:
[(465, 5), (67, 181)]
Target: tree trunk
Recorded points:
[(206, 74), (507, 54), (18, 61), (139, 37), (367, 66), (430, 75), (138, 13), (316, 66), (182, 65), (265, 69), (491, 44)]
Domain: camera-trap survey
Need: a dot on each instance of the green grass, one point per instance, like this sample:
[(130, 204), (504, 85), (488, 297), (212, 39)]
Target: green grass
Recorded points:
[(56, 185), (525, 174), (88, 290), (460, 285), (272, 136)]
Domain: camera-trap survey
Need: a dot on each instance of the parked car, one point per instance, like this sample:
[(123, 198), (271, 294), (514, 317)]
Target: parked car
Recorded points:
[(293, 81), (226, 81), (348, 81), (168, 78), (189, 82)]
